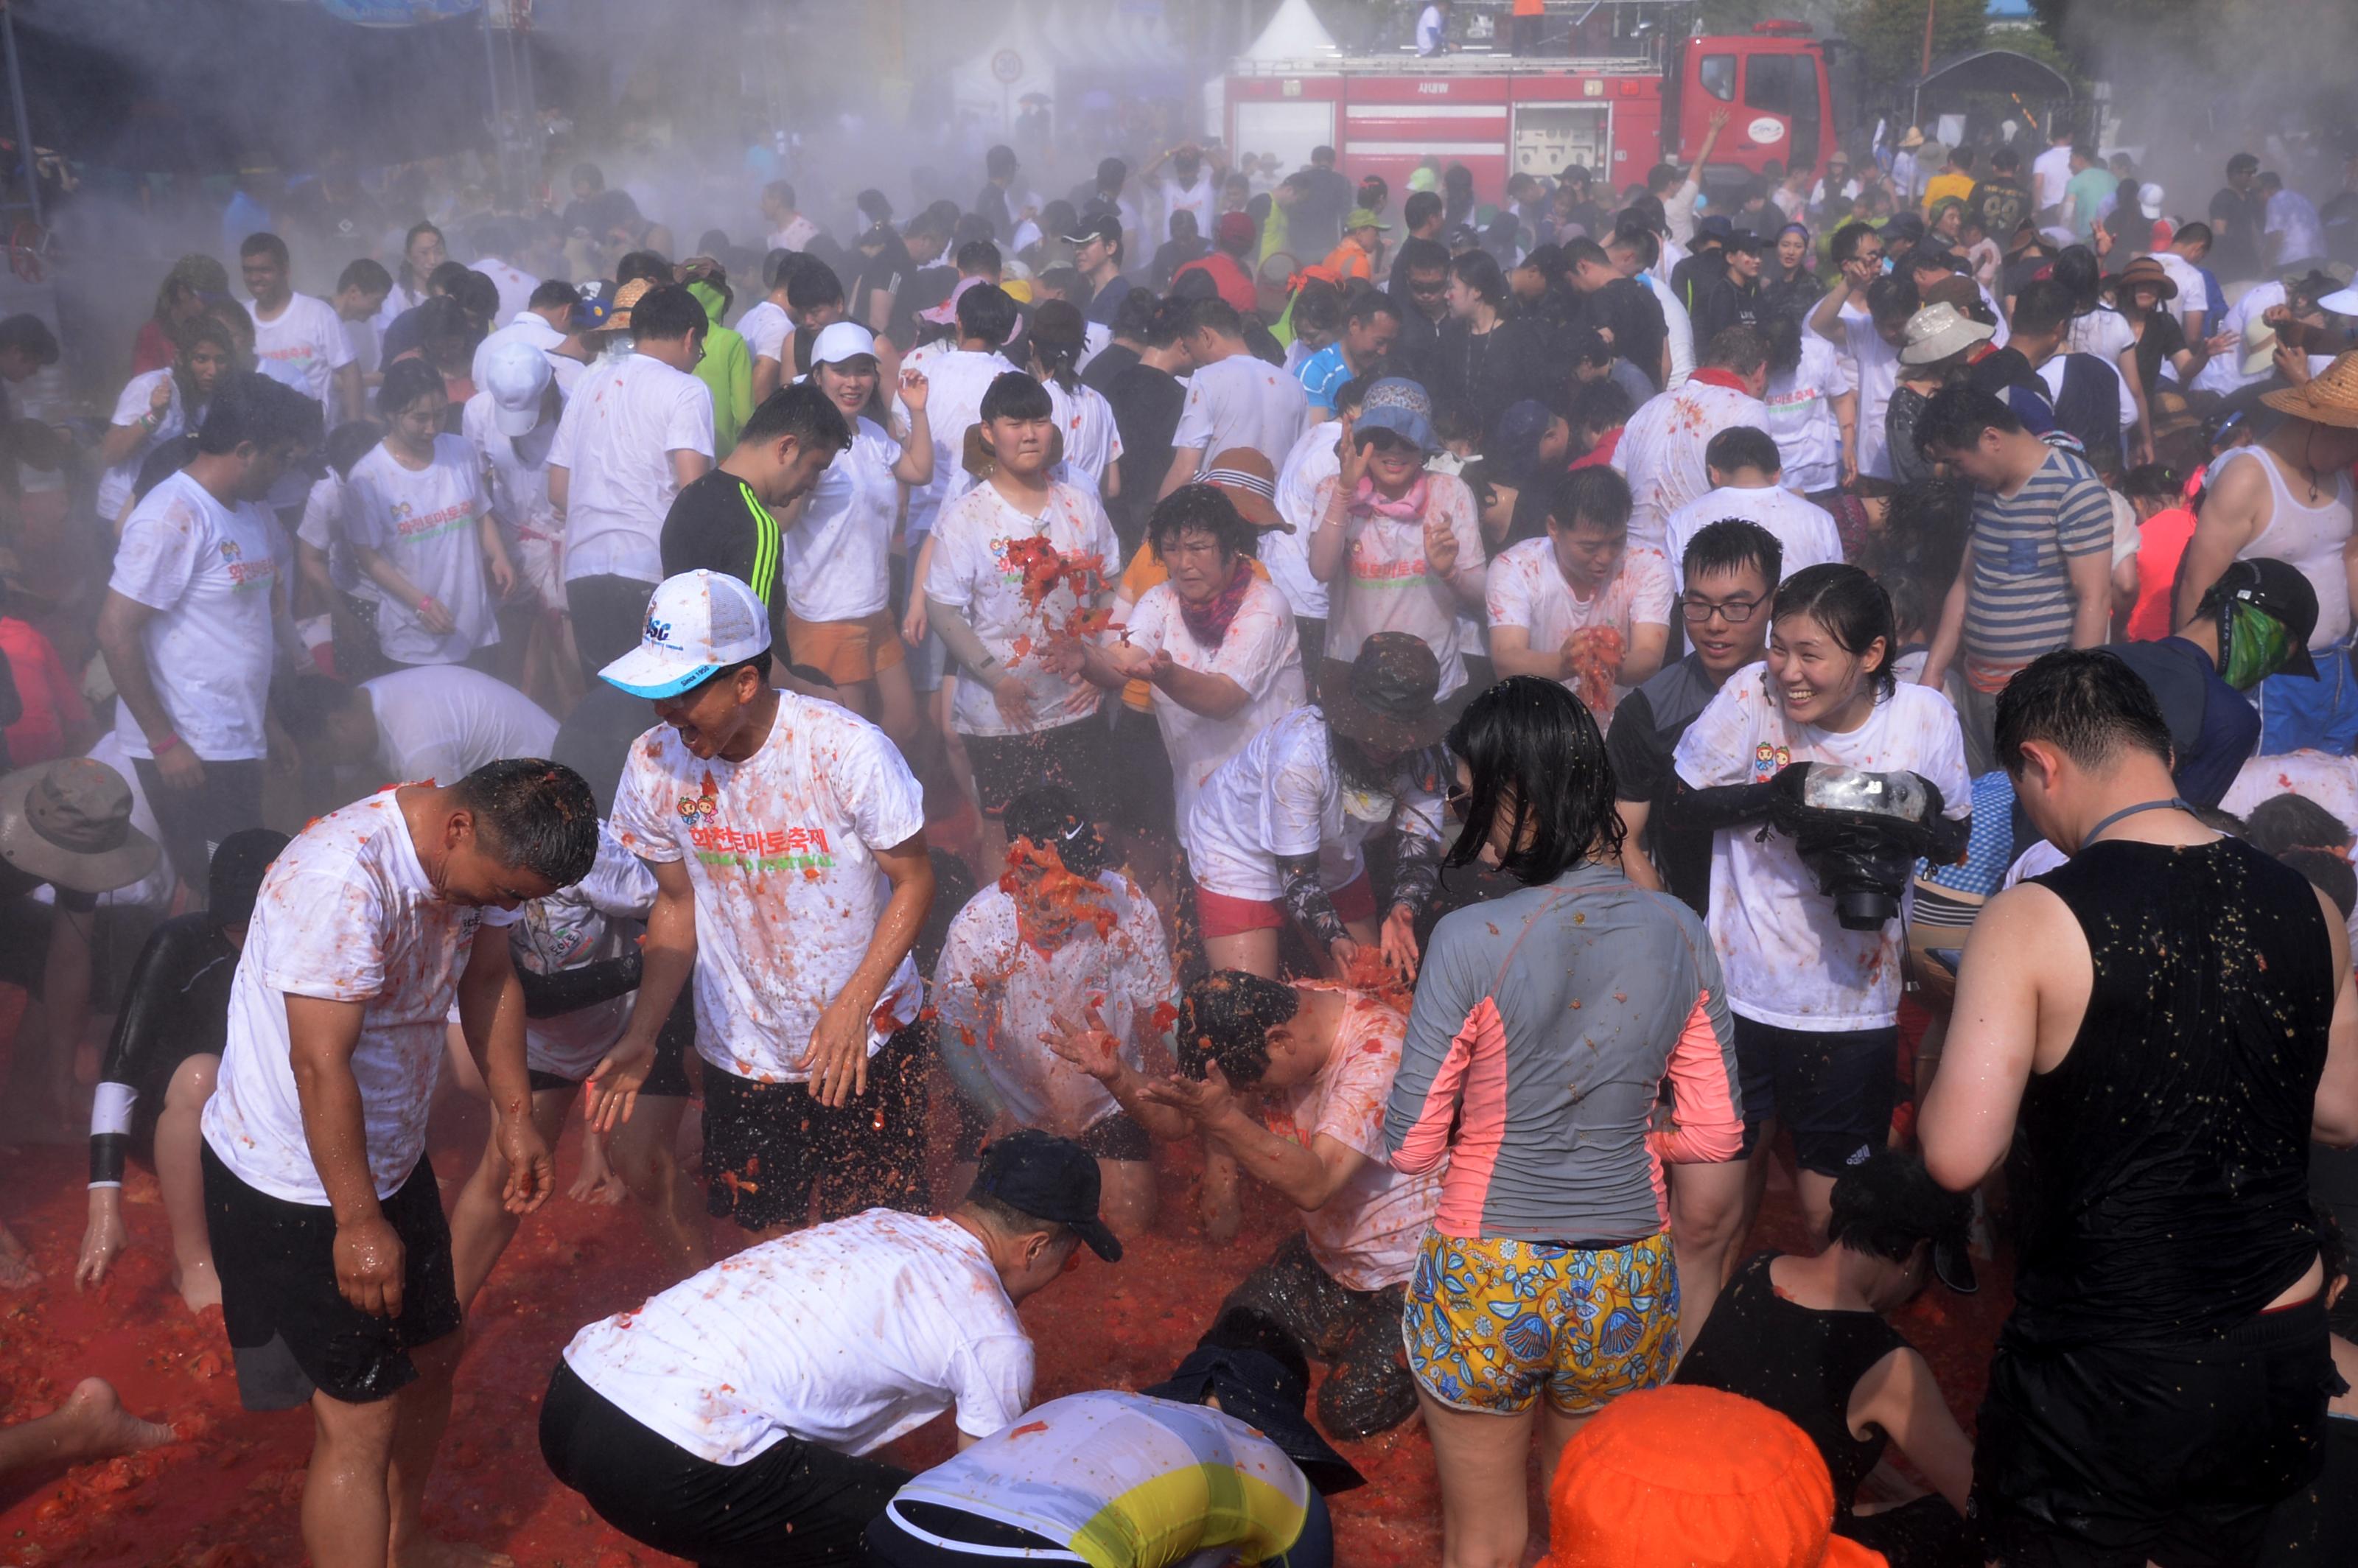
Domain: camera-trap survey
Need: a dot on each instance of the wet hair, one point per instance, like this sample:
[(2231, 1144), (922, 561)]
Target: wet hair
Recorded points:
[(2085, 702), (1731, 545), (167, 459), (234, 880), (1533, 751), (1743, 447), (2042, 305), (727, 673), (1421, 255), (1596, 497), (1421, 208), (800, 410), (988, 313), (2081, 275), (2196, 232), (406, 381), (366, 274), (2295, 822), (1134, 317), (1891, 297), (446, 278), (668, 311), (1206, 509), (1015, 396), (1600, 406), (1353, 393), (1215, 316), (1318, 311), (1783, 331), (351, 441), (650, 264), (1479, 270), (249, 407), (1887, 1205), (1244, 1328), (1852, 607), (202, 330), (305, 704), (534, 815), (2006, 160), (1955, 417), (1056, 339), (551, 293), (978, 257), (1739, 349), (1226, 1017), (1052, 817), (264, 244), (1847, 239), (2328, 873), (1166, 324), (2153, 481), (1008, 1220)]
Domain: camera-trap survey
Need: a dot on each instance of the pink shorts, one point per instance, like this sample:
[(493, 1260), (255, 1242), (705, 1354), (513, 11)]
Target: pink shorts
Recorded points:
[(1225, 916)]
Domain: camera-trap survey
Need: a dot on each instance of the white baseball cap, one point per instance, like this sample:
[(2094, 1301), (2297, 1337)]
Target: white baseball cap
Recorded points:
[(697, 624), (2341, 302), (516, 375), (842, 341)]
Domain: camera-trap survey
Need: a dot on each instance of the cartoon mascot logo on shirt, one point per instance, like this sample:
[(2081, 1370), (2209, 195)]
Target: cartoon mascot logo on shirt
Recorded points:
[(230, 551), (1768, 760)]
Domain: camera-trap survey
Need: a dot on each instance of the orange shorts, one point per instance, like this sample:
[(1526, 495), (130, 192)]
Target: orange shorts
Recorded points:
[(1223, 915), (846, 651)]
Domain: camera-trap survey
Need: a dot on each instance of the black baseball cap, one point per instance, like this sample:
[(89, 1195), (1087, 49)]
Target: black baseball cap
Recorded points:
[(2274, 589), (1106, 226), (1049, 1178)]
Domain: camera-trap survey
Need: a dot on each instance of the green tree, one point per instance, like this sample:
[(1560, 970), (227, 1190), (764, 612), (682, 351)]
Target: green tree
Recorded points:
[(1889, 36)]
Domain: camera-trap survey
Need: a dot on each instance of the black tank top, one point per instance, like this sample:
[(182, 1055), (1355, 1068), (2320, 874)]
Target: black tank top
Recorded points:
[(1799, 1361), (2167, 1159)]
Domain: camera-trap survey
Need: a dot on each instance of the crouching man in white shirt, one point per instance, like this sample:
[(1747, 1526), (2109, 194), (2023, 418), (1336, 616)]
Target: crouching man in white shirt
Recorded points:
[(327, 1225), (730, 1420)]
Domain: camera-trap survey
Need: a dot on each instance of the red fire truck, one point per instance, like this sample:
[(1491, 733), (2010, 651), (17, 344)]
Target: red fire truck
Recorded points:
[(1498, 114)]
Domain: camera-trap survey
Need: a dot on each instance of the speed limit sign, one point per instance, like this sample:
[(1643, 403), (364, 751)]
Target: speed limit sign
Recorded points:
[(1007, 65)]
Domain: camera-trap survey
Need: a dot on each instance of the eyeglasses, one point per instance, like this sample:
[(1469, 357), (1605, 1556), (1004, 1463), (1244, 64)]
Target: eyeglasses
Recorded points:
[(1735, 611)]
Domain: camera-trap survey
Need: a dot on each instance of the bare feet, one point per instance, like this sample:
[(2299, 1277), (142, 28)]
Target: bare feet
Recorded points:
[(199, 1287), (17, 1271), (92, 1425), (428, 1553), (596, 1182)]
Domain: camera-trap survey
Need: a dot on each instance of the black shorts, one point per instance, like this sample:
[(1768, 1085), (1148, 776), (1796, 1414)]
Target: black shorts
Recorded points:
[(1071, 754), (668, 1076), (1117, 1137), (2112, 1456), (767, 1147), (1832, 1091), (1144, 794), (793, 1502), (290, 1328), (193, 822)]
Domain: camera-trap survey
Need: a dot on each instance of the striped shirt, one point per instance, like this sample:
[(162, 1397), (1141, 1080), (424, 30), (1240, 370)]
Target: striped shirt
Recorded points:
[(2021, 602), (1544, 1025)]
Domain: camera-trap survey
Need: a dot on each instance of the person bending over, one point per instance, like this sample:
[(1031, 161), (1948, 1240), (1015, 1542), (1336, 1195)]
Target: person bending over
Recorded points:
[(729, 1418)]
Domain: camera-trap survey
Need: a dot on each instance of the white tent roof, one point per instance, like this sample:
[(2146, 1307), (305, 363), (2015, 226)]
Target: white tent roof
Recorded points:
[(1294, 33)]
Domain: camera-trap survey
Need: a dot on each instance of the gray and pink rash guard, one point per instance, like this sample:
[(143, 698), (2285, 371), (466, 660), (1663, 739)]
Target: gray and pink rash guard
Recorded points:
[(1544, 1026)]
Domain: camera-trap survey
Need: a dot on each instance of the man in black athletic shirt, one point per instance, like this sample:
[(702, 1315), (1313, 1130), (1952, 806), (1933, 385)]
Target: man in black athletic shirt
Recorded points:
[(2170, 1018)]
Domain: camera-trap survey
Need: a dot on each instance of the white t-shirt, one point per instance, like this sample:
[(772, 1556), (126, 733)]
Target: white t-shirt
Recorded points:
[(1316, 457), (209, 572), (1282, 796), (595, 919), (1384, 585), (1092, 443), (846, 1335), (1197, 198), (326, 527), (444, 721), (515, 484), (303, 346), (2104, 332), (626, 417), (1431, 31), (2192, 293), (1800, 404), (1367, 1234), (345, 914), (1805, 529), (2050, 172), (1788, 960), (839, 556), (1241, 402), (788, 894), (1661, 452), (2052, 372), (2292, 218), (426, 523), (767, 330), (1260, 654), (1527, 589), (2318, 777), (1678, 326), (999, 995), (1873, 370), (115, 485), (956, 380), (515, 283), (2223, 373), (973, 574)]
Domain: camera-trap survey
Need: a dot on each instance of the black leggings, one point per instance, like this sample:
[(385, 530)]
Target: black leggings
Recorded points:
[(794, 1502), (960, 1539)]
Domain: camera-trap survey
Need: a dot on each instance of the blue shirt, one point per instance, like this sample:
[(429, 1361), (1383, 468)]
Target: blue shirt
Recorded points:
[(1322, 373), (1107, 302)]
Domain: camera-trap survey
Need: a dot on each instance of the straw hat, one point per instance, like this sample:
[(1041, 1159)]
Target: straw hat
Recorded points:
[(618, 317), (2328, 399)]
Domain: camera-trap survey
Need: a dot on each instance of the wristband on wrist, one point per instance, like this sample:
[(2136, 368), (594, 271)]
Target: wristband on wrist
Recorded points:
[(159, 748), (424, 600)]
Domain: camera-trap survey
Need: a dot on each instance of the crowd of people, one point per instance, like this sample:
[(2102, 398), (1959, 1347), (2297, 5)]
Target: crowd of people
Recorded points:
[(1506, 725)]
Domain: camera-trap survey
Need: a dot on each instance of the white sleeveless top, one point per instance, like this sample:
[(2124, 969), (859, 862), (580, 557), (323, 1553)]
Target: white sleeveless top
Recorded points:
[(2306, 537)]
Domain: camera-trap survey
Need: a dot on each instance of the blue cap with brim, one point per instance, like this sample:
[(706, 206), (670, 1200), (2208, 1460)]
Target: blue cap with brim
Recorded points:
[(1401, 406), (697, 624)]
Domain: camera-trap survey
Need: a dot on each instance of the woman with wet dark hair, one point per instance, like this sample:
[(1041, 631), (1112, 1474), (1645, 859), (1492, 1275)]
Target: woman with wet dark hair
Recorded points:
[(1544, 1027), (1488, 357)]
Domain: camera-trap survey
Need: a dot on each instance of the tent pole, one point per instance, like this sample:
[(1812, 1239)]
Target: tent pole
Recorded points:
[(16, 103)]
